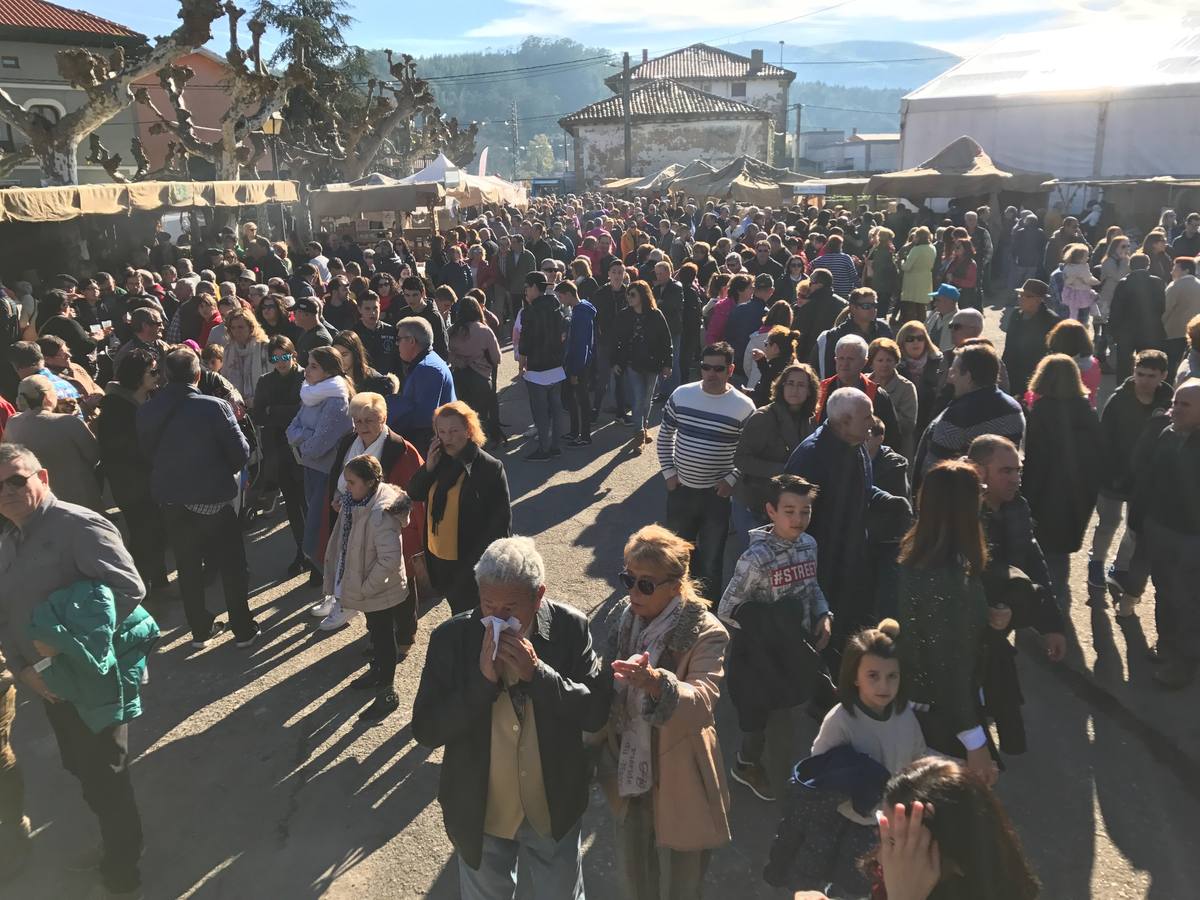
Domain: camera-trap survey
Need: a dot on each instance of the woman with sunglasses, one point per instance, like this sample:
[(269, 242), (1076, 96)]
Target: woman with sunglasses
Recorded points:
[(920, 361), (663, 773), (275, 319), (276, 402), (643, 353)]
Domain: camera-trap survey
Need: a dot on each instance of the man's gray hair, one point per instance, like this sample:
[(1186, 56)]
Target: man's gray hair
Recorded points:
[(35, 392), (418, 328), (852, 340), (841, 403), (512, 560), (16, 454)]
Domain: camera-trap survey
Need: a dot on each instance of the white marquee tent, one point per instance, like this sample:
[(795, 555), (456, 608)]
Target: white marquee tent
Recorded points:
[(470, 190), (1095, 101)]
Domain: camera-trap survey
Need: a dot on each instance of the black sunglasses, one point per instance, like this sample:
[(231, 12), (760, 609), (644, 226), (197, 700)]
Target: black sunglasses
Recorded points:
[(710, 367), (645, 586), (913, 338), (16, 482), (867, 305), (283, 357)]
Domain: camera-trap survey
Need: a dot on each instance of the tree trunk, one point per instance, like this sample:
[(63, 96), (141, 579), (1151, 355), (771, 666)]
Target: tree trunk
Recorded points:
[(60, 161)]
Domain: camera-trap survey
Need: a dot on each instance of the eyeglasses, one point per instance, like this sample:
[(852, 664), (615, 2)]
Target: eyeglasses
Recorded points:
[(954, 326), (16, 482), (711, 367), (645, 586), (283, 357)]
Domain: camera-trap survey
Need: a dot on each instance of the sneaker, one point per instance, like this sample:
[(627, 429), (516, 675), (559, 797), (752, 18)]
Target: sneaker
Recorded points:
[(753, 776), (337, 618), (1126, 606), (386, 703), (570, 437), (1175, 674), (245, 642), (539, 456), (322, 608), (626, 419), (217, 629), (1095, 574), (582, 442)]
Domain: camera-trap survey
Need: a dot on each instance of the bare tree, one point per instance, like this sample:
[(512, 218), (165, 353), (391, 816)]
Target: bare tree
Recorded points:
[(255, 94), (107, 83)]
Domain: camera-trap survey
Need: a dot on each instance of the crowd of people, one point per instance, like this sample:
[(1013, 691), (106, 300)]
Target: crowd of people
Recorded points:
[(817, 388)]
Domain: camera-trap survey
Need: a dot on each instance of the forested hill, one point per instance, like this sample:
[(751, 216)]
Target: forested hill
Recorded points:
[(548, 78)]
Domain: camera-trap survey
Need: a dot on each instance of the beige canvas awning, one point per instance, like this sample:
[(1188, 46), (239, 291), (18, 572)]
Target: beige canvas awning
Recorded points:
[(746, 180), (372, 193), (61, 204), (961, 169)]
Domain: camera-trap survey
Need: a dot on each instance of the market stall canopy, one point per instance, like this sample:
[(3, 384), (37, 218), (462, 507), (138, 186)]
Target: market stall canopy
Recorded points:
[(372, 193), (61, 204), (471, 190), (962, 169), (660, 180), (746, 180), (817, 186)]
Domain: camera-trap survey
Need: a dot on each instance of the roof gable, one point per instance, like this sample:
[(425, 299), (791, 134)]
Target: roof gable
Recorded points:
[(701, 61), (38, 15), (663, 99)]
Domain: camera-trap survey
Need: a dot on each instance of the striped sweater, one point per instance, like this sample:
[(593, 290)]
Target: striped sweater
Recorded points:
[(699, 435)]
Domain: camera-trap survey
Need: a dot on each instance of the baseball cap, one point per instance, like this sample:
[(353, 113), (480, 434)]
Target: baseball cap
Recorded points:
[(536, 279), (763, 280), (947, 290), (307, 305)]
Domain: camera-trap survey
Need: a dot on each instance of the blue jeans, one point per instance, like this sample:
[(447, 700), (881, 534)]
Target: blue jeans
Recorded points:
[(549, 869), (314, 492), (639, 388), (545, 403)]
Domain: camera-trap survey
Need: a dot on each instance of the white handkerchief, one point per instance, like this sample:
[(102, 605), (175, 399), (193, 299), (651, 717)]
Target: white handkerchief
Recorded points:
[(512, 623)]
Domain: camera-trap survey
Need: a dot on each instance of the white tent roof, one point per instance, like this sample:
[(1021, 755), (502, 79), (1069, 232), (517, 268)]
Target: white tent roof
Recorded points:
[(435, 171), (1101, 56)]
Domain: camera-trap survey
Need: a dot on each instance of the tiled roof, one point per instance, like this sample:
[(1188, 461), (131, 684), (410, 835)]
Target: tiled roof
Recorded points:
[(701, 61), (664, 99), (881, 136), (41, 15)]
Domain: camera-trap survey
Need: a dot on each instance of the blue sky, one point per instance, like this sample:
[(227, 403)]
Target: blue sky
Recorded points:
[(423, 29)]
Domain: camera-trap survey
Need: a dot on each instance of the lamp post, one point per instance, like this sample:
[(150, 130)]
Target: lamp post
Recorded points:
[(271, 128)]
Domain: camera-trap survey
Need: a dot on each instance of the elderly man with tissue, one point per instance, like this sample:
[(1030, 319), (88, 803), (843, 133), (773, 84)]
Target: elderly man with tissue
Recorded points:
[(509, 689)]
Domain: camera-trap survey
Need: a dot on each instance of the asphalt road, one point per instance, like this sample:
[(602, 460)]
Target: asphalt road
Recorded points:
[(255, 780)]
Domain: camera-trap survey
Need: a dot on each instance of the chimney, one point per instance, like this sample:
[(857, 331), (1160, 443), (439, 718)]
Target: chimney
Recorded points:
[(756, 61), (645, 55)]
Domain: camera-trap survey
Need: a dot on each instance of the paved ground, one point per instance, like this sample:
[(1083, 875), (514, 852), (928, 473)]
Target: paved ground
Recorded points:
[(254, 779)]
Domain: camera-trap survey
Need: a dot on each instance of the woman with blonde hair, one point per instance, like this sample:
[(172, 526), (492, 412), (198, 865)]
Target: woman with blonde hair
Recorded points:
[(883, 363), (920, 360), (465, 492), (245, 353), (1064, 462), (917, 261), (663, 772)]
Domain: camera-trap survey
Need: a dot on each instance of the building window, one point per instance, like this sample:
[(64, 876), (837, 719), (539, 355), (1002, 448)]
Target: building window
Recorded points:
[(705, 86), (10, 62), (47, 112), (6, 138), (738, 89)]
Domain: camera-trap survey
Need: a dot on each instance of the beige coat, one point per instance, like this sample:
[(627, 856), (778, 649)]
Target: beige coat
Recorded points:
[(691, 798), (374, 576)]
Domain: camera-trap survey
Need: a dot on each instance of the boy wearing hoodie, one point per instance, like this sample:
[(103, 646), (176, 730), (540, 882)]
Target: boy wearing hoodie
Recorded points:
[(779, 621)]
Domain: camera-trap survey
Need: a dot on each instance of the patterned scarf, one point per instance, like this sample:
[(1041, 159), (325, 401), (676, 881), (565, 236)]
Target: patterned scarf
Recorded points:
[(635, 766), (349, 504)]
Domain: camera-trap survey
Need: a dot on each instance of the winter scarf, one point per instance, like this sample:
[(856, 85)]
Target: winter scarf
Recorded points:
[(349, 504), (447, 474), (316, 394), (635, 768)]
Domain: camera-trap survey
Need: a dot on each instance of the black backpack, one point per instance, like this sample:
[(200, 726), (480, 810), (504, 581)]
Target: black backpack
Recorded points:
[(10, 321)]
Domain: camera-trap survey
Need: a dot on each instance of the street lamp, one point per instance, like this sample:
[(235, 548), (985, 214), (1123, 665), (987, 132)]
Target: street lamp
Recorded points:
[(271, 127)]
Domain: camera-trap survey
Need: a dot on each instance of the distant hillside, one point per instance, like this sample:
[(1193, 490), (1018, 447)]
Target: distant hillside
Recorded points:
[(871, 64)]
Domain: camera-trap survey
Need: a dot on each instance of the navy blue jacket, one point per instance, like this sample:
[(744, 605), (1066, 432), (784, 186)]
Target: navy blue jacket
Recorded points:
[(581, 338), (194, 445), (427, 386)]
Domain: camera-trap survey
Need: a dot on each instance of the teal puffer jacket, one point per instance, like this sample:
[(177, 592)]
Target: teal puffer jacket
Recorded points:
[(100, 663)]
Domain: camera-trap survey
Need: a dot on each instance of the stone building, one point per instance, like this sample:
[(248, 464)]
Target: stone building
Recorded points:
[(670, 123)]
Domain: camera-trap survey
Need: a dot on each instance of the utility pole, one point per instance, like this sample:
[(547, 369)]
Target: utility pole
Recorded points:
[(625, 114), (512, 116), (796, 147)]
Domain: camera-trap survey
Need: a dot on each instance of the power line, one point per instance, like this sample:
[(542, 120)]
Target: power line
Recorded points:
[(863, 62), (564, 63)]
